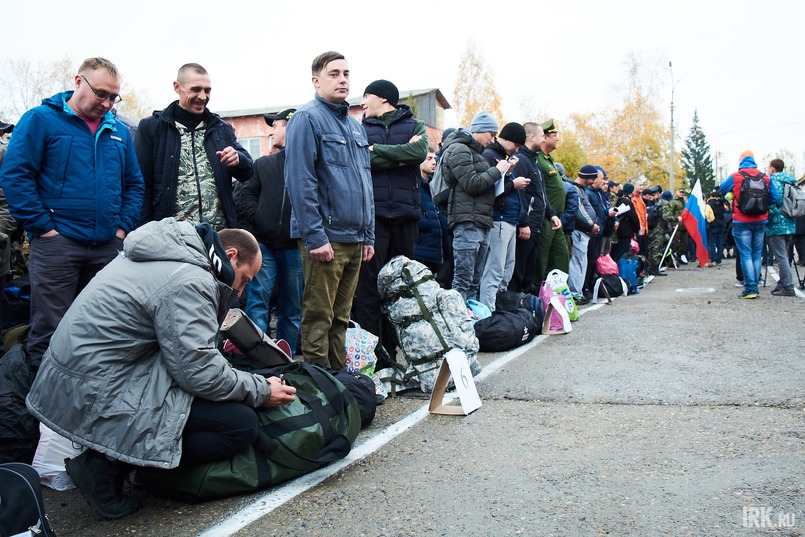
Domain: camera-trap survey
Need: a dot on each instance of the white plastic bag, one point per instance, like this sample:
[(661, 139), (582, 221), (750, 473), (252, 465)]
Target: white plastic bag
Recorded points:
[(49, 459)]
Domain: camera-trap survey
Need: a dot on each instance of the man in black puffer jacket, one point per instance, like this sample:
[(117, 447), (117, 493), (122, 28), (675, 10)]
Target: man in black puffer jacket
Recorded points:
[(264, 208), (398, 143), (472, 198)]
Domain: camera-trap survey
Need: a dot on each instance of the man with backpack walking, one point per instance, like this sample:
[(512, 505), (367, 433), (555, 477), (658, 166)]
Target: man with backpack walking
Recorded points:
[(752, 192)]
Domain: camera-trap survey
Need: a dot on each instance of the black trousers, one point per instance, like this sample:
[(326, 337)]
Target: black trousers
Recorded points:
[(525, 263), (392, 238), (217, 430)]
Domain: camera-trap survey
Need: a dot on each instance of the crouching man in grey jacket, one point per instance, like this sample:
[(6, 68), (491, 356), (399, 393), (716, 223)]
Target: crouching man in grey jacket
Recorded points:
[(133, 372)]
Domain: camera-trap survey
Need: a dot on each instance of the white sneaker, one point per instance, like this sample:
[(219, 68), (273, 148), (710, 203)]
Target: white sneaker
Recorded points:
[(683, 258)]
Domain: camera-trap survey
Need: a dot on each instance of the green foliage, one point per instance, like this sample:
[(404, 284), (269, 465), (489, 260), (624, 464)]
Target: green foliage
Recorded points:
[(696, 158), (411, 102)]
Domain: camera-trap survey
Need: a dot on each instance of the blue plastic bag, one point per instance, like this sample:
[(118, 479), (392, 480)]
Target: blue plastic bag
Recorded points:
[(627, 266)]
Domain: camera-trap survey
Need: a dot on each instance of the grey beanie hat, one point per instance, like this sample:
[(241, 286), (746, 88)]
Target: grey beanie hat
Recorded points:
[(483, 122)]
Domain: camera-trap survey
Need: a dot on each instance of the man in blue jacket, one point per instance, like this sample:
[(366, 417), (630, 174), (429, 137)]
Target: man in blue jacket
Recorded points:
[(329, 181), (189, 157), (72, 181)]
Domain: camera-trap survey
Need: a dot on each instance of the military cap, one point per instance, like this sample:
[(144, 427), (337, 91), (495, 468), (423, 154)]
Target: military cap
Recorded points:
[(549, 127), (284, 114)]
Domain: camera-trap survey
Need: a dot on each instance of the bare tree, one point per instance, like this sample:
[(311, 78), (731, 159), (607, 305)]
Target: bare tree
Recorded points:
[(23, 85)]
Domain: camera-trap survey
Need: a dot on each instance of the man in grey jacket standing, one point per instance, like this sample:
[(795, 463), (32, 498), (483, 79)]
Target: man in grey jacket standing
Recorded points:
[(133, 372), (329, 182)]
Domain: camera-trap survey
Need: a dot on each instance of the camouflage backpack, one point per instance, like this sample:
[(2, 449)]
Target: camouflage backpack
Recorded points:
[(428, 321)]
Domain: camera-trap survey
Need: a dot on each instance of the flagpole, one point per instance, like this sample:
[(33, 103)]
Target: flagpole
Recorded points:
[(667, 247)]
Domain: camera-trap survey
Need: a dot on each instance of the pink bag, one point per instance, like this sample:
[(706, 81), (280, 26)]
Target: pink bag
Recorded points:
[(606, 265), (557, 320)]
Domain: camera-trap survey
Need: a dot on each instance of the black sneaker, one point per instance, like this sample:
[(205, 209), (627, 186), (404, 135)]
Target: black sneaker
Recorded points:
[(784, 291), (101, 483)]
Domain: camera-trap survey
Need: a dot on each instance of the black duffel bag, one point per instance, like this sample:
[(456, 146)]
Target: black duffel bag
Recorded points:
[(505, 330)]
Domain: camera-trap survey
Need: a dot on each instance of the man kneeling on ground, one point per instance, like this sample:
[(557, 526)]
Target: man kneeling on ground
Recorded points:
[(133, 371)]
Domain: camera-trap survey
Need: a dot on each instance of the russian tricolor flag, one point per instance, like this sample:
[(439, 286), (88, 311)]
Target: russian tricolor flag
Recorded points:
[(696, 223)]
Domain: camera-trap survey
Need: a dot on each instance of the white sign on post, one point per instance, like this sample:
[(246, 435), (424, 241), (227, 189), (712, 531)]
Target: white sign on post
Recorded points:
[(455, 362)]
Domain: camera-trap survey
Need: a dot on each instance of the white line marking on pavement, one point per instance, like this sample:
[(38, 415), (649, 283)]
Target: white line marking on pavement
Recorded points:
[(277, 496)]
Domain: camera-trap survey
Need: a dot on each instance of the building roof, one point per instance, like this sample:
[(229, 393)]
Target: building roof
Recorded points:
[(355, 101)]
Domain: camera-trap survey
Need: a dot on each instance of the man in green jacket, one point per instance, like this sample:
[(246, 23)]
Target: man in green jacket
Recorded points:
[(398, 143), (553, 252)]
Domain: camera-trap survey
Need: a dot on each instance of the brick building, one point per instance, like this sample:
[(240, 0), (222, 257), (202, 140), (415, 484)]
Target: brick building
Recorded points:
[(252, 132)]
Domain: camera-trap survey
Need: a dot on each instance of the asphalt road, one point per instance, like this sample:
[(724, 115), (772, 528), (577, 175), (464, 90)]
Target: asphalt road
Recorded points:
[(678, 411)]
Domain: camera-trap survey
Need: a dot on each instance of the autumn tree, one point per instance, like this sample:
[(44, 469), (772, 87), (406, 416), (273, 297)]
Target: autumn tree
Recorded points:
[(475, 88), (696, 158), (23, 85)]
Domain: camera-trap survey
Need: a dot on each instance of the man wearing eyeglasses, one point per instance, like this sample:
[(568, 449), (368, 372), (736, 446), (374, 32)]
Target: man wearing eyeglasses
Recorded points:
[(72, 181), (189, 157)]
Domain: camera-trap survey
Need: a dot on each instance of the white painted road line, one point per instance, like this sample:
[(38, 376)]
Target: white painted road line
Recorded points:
[(277, 496)]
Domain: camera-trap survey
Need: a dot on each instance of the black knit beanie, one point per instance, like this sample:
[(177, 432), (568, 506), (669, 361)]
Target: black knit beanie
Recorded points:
[(385, 90), (513, 132)]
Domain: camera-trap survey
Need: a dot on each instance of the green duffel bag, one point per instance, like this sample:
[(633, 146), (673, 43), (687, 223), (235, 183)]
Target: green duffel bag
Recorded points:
[(317, 428)]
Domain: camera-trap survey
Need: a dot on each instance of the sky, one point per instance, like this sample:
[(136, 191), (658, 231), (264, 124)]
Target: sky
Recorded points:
[(740, 64)]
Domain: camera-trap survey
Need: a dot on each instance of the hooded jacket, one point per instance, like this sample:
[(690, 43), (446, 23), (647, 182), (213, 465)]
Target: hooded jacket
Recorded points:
[(158, 144), (733, 184), (137, 345), (472, 181), (57, 175), (780, 224)]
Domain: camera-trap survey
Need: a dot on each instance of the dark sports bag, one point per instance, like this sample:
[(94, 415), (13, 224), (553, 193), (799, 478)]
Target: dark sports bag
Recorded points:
[(317, 428), (505, 330), (362, 389), (19, 430), (609, 286), (516, 300), (754, 196), (22, 511)]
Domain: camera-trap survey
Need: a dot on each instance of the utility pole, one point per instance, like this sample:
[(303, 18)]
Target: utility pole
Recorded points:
[(670, 67)]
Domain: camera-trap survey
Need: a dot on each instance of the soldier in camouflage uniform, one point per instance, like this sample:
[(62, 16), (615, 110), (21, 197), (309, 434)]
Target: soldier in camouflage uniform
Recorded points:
[(189, 157), (661, 233), (677, 205)]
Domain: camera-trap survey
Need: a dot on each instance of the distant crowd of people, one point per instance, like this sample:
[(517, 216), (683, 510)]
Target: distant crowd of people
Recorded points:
[(125, 345)]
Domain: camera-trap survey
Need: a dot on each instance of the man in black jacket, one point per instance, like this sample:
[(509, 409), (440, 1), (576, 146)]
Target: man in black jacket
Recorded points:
[(189, 157), (264, 208), (398, 143), (537, 208)]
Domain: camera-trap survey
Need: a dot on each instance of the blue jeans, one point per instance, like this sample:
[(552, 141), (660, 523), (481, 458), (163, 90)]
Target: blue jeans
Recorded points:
[(715, 242), (281, 269), (470, 247), (749, 241)]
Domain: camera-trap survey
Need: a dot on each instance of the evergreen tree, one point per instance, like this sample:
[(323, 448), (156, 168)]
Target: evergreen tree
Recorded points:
[(696, 158)]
